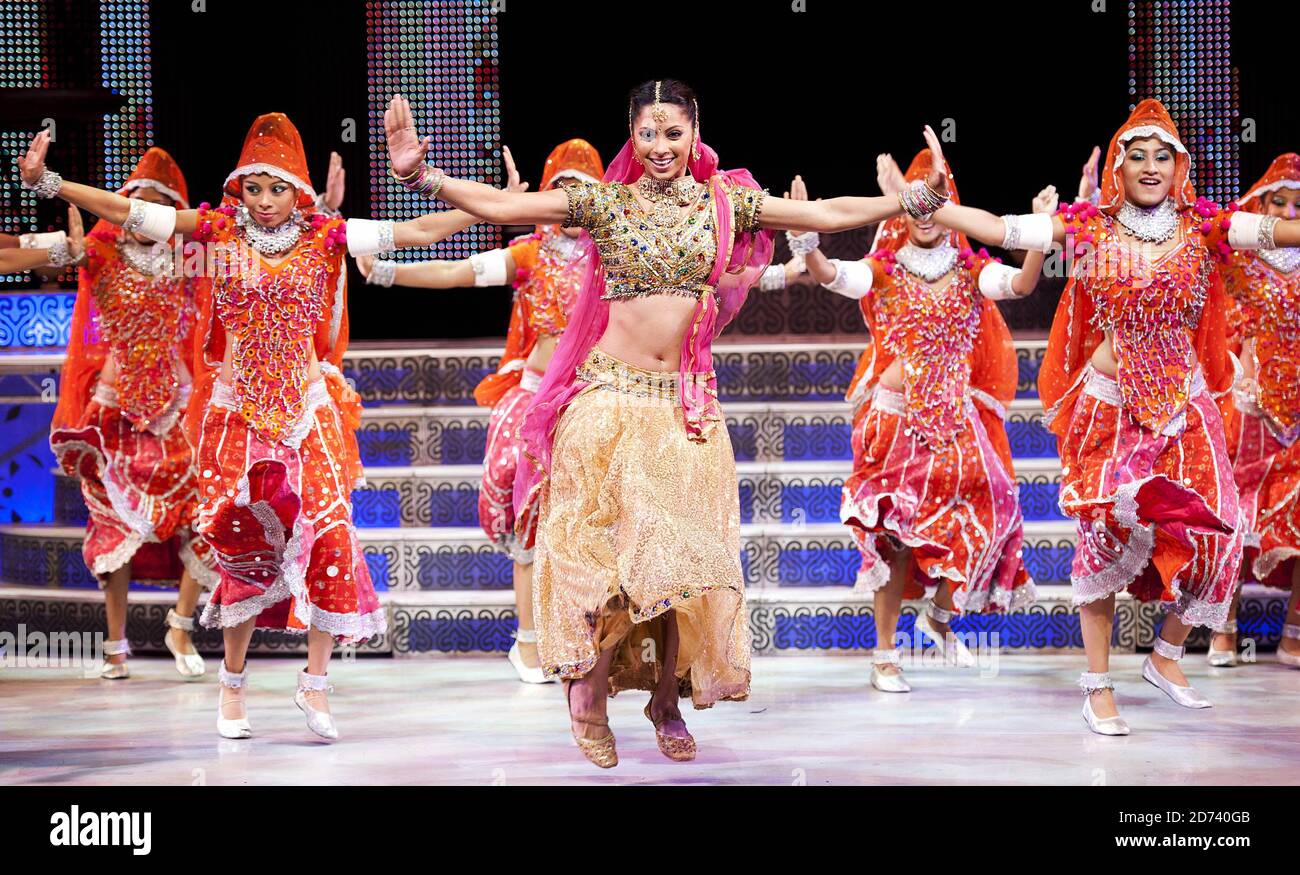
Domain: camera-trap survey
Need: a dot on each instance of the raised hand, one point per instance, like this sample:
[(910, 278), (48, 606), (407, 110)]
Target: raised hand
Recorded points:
[(76, 233), (888, 176), (334, 182), (364, 264), (1046, 200), (938, 178), (798, 190), (512, 174), (32, 164), (1088, 180), (406, 150)]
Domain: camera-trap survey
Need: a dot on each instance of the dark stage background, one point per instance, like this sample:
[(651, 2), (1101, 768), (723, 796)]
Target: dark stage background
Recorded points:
[(1029, 87)]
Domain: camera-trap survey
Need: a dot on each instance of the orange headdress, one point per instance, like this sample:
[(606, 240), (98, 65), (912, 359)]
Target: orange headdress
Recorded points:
[(1149, 119), (273, 147), (1284, 172), (574, 158), (892, 233)]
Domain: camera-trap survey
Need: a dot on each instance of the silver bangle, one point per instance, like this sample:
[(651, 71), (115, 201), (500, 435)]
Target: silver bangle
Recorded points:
[(386, 244), (60, 255), (802, 244), (772, 279), (135, 215), (1011, 236), (382, 273), (47, 186), (1266, 228)]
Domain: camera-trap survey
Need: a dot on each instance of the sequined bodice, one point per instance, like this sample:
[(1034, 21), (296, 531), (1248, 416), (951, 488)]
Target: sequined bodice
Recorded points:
[(1151, 306), (144, 320), (932, 330), (642, 257), (552, 286), (272, 314), (1269, 302)]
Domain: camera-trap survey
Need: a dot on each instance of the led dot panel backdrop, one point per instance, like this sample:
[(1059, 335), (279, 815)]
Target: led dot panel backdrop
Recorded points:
[(126, 70), (1180, 53), (22, 65), (443, 58)]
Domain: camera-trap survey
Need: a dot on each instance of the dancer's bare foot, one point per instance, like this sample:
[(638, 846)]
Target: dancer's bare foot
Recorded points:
[(667, 717), (232, 703), (587, 708), (528, 654), (1290, 645)]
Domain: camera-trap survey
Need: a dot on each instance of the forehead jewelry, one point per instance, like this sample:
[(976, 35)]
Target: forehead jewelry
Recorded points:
[(657, 112)]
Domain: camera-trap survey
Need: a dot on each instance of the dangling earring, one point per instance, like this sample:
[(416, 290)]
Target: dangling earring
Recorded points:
[(695, 149)]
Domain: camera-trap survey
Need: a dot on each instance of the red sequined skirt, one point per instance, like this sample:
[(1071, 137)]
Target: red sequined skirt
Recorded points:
[(1168, 503), (1268, 477), (496, 512), (139, 487), (955, 506), (279, 519)]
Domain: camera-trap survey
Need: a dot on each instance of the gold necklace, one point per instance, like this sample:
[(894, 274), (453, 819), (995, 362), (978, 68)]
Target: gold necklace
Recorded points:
[(667, 197)]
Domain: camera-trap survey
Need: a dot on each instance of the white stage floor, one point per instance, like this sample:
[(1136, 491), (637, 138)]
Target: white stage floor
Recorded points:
[(810, 719)]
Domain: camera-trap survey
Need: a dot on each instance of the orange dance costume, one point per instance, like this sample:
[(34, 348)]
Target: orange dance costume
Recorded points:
[(277, 452), (931, 464), (125, 384), (549, 269), (1263, 418), (1146, 470)]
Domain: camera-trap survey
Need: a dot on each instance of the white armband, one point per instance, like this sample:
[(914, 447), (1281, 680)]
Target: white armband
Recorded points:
[(154, 221), (852, 279), (1032, 232), (368, 237), (773, 279), (995, 281), (1251, 231), (41, 239), (489, 267)]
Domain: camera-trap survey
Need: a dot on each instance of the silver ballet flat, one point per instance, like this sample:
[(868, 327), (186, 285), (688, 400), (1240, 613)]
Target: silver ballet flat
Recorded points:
[(1223, 658), (1091, 682), (887, 683), (115, 671), (319, 722), (1185, 696), (958, 653), (240, 727), (190, 665), (527, 674), (1292, 631)]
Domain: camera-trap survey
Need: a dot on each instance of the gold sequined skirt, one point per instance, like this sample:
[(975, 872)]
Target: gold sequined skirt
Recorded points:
[(635, 521)]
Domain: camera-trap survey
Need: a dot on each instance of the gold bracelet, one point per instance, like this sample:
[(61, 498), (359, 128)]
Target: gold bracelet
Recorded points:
[(404, 179)]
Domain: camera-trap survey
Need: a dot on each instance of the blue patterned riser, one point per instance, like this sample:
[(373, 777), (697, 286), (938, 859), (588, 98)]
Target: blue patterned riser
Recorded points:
[(774, 374), (773, 436), (30, 320), (454, 504)]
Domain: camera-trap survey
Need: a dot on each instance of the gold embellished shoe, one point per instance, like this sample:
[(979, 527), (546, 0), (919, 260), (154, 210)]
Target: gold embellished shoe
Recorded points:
[(680, 750), (600, 751)]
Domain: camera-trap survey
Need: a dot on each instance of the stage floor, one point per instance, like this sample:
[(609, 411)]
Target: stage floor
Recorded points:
[(812, 720)]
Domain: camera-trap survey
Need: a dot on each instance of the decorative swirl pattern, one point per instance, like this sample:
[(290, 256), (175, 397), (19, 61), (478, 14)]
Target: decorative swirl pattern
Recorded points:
[(31, 320)]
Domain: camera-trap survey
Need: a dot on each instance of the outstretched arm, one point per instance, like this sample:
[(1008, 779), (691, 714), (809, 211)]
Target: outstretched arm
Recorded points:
[(425, 274), (107, 205), (406, 153), (62, 253), (432, 227)]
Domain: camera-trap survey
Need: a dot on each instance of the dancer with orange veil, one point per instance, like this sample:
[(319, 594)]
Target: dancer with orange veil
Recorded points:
[(1263, 412), (546, 268), (637, 582), (117, 427), (1137, 354), (932, 497), (272, 417)]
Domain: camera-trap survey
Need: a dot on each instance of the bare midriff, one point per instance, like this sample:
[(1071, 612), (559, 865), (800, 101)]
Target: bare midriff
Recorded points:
[(543, 352), (647, 332)]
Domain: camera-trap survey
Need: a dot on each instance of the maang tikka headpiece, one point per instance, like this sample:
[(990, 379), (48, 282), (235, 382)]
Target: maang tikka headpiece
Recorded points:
[(657, 112)]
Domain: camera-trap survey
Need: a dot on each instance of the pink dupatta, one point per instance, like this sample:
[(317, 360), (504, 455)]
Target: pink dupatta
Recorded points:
[(740, 260)]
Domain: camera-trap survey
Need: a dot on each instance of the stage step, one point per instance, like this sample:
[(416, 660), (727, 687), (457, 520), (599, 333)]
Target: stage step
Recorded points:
[(810, 621), (773, 555), (445, 375)]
